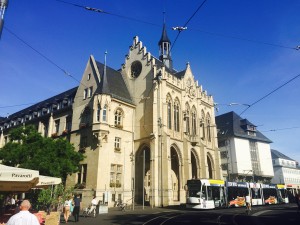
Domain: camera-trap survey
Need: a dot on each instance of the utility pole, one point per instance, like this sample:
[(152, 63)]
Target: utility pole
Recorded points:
[(3, 6)]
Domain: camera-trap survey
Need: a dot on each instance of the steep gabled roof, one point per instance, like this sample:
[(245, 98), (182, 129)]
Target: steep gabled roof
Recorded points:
[(37, 106), (276, 154), (232, 125), (164, 36), (112, 83)]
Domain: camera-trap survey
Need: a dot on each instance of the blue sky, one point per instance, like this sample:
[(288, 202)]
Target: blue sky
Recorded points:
[(230, 69)]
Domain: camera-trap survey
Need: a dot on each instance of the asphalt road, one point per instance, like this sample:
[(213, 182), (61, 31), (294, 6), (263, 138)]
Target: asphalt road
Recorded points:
[(261, 215)]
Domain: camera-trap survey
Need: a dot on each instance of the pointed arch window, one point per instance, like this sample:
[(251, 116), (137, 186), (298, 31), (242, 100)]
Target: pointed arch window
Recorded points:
[(194, 123), (169, 111), (176, 116), (202, 125), (209, 167), (104, 113), (187, 119), (208, 127)]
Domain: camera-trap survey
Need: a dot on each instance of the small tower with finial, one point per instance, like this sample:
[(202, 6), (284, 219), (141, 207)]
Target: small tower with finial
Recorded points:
[(165, 47)]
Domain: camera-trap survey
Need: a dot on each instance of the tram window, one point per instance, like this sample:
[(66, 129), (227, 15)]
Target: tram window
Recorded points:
[(255, 193)]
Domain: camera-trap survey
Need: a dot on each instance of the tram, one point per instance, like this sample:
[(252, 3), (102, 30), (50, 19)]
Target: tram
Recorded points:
[(292, 190), (270, 194), (236, 193), (205, 194), (256, 193), (282, 193)]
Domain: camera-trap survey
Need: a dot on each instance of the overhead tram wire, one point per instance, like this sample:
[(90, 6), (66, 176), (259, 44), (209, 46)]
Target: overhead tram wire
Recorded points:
[(279, 129), (247, 39), (180, 30), (42, 55), (185, 25), (96, 10), (265, 96)]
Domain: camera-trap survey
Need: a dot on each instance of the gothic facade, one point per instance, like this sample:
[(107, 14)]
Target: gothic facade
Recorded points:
[(145, 129)]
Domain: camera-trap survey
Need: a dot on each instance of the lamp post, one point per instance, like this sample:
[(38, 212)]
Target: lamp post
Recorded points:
[(132, 178)]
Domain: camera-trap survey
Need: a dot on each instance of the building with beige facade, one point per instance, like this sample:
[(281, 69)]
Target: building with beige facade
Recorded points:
[(145, 129)]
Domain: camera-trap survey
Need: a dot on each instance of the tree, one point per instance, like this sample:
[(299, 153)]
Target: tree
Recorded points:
[(52, 157)]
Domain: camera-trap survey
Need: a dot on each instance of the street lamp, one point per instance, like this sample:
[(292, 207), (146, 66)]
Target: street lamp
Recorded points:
[(131, 155)]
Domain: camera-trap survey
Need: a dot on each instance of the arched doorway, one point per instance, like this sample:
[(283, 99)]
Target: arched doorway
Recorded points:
[(142, 175), (175, 174)]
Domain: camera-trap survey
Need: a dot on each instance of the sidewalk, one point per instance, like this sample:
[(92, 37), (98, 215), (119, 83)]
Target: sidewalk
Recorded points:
[(115, 216)]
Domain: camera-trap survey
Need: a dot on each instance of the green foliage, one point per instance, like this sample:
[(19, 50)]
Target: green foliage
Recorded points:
[(53, 196), (52, 157)]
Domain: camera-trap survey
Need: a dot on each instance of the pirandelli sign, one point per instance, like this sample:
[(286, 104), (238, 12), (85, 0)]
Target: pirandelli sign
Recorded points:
[(17, 179), (21, 175)]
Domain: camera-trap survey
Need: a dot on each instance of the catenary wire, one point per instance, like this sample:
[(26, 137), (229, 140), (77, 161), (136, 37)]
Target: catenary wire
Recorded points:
[(43, 56), (273, 91), (170, 28), (179, 31), (108, 13)]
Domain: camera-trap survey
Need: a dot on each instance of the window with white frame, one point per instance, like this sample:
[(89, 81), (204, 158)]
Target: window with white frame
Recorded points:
[(85, 91), (116, 172), (90, 92), (117, 143), (82, 174), (118, 118), (104, 113)]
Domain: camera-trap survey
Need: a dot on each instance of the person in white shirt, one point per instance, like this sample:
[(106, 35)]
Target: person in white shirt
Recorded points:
[(24, 217), (248, 203), (94, 204)]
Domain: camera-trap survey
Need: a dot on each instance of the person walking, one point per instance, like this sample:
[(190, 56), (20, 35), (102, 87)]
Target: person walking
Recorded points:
[(297, 200), (77, 207), (67, 208), (248, 204), (24, 217), (94, 204)]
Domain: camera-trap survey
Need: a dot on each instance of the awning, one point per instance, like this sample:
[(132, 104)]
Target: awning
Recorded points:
[(47, 181), (17, 179)]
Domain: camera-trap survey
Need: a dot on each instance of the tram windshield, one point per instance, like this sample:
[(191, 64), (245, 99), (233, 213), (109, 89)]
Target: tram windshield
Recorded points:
[(255, 193)]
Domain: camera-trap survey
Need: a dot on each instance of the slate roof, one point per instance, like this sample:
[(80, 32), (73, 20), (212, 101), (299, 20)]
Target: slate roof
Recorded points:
[(113, 84), (45, 103), (276, 154), (164, 36), (160, 64), (231, 125)]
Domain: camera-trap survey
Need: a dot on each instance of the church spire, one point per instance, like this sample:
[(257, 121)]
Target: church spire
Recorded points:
[(165, 47)]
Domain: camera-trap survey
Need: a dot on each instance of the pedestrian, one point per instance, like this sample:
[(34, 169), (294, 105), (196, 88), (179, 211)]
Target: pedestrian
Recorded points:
[(24, 217), (77, 207), (248, 204), (67, 208), (94, 204), (297, 200)]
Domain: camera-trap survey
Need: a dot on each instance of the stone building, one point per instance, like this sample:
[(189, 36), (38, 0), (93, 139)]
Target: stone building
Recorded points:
[(145, 128), (286, 170)]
